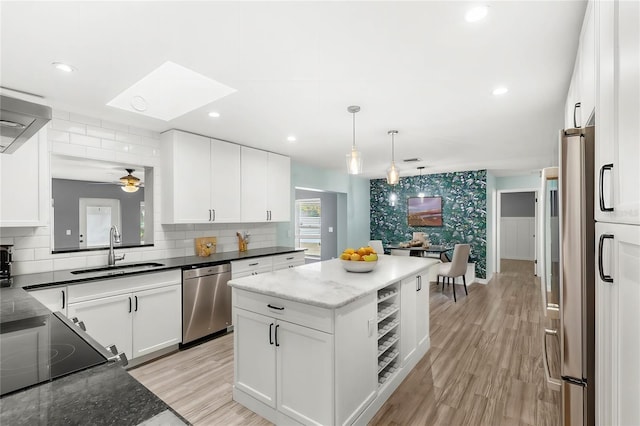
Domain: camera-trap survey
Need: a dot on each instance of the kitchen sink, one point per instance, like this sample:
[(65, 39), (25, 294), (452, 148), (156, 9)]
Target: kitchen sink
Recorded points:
[(121, 269)]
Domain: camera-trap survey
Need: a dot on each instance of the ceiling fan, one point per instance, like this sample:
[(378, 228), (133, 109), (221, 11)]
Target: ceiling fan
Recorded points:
[(130, 183)]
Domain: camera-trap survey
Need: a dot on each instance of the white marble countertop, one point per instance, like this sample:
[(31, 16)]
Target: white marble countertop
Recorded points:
[(327, 285)]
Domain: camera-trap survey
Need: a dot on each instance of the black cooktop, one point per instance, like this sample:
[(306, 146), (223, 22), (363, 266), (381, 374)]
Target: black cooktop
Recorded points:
[(39, 349)]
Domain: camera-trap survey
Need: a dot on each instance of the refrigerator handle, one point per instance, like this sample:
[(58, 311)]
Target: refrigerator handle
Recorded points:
[(603, 277), (575, 120), (604, 168), (552, 382)]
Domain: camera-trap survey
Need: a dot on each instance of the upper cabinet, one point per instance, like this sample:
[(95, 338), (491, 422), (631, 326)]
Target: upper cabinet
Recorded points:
[(201, 179), (266, 186), (618, 106), (211, 181), (25, 182)]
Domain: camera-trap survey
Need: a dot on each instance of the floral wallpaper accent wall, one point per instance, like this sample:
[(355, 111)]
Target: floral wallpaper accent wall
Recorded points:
[(464, 211)]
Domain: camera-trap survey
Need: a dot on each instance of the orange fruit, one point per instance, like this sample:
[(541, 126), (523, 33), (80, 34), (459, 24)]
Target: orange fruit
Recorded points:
[(355, 256), (362, 251), (345, 256), (349, 251)]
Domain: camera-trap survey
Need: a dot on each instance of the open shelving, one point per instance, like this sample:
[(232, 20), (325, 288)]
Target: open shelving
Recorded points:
[(388, 332)]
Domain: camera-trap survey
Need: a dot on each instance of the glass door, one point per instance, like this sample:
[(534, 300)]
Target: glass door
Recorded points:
[(308, 227)]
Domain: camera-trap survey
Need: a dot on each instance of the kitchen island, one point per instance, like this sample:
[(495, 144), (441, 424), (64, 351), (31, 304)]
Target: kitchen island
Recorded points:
[(316, 344)]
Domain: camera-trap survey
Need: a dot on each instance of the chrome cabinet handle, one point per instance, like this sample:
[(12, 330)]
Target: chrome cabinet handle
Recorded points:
[(603, 277), (603, 207), (575, 108)]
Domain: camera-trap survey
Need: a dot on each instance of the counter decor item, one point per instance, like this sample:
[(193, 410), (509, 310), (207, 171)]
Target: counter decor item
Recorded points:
[(205, 246), (364, 259), (243, 241)]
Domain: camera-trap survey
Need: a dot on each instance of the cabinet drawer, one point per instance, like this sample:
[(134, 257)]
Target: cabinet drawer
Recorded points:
[(285, 310), (258, 264), (103, 288), (283, 261)]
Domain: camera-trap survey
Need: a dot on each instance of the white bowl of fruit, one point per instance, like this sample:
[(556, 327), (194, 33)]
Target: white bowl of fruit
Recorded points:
[(364, 259)]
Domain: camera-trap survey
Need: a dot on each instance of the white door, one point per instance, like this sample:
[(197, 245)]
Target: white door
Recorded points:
[(407, 318), (279, 187), (108, 320), (55, 299), (191, 178), (157, 319), (225, 182), (304, 369), (618, 129), (422, 309), (96, 217), (617, 324), (254, 185), (255, 355)]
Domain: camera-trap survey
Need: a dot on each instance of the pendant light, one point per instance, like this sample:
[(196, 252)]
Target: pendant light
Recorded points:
[(421, 192), (354, 158), (393, 175)]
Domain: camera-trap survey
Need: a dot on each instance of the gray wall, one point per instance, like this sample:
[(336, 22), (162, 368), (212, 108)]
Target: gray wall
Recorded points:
[(518, 204), (66, 200), (329, 212)]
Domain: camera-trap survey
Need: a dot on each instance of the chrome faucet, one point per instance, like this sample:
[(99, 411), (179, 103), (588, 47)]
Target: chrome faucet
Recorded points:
[(114, 236)]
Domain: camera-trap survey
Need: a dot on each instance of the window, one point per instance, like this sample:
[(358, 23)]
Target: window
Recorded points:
[(308, 226)]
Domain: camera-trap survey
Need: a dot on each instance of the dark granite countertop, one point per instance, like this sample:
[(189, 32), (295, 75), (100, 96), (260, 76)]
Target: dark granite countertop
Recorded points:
[(65, 277), (102, 395), (17, 305)]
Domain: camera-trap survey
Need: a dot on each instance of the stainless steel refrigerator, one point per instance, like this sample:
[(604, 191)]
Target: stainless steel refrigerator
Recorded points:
[(574, 287)]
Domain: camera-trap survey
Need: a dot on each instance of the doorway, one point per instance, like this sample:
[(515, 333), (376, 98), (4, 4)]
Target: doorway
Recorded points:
[(517, 224), (97, 215), (316, 224)]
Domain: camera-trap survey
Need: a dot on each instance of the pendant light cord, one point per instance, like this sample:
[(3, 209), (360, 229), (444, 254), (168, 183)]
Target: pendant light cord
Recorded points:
[(353, 146)]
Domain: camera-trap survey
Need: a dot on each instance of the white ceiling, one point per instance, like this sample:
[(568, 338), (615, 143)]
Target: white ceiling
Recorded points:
[(417, 67)]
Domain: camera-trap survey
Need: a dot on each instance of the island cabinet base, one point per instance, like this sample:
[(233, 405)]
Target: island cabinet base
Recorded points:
[(300, 363)]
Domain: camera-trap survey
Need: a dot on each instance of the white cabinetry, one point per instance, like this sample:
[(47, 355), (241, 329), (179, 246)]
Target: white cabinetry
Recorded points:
[(24, 192), (266, 186), (618, 129), (289, 260), (139, 314), (201, 179), (253, 266), (55, 299), (617, 320), (415, 314)]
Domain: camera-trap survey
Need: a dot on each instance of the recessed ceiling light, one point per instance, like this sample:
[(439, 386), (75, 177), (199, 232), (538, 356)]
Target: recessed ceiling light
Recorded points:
[(214, 114), (63, 67), (476, 13), (291, 138), (500, 91)]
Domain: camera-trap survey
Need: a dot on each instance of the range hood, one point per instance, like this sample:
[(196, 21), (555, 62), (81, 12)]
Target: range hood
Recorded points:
[(19, 121)]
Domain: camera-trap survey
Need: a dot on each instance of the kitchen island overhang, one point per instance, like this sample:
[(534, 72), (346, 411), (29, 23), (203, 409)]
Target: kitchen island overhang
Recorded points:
[(316, 344)]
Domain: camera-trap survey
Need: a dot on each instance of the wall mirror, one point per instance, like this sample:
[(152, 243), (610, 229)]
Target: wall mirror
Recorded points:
[(90, 196)]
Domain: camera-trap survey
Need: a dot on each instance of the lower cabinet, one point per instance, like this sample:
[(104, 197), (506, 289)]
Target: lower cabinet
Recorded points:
[(285, 366), (139, 314), (617, 319), (55, 299), (414, 323)]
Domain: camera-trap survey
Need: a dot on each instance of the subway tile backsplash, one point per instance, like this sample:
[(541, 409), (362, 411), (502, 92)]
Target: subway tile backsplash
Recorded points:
[(92, 138)]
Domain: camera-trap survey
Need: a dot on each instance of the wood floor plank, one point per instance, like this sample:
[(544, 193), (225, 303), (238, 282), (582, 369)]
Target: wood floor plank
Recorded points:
[(484, 366)]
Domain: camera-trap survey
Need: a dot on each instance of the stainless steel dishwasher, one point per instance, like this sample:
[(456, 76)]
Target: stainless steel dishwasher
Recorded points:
[(206, 301)]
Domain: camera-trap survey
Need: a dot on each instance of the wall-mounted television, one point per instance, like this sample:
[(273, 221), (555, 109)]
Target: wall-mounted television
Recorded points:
[(424, 211)]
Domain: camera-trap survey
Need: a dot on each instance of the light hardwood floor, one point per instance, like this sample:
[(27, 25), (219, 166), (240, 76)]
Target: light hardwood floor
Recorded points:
[(484, 366)]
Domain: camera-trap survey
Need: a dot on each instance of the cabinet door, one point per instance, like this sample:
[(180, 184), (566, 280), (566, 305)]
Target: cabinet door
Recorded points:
[(587, 66), (304, 369), (617, 319), (422, 309), (407, 318), (225, 181), (55, 299), (279, 188), (618, 129), (108, 320), (191, 178), (24, 202), (157, 320), (254, 185), (255, 355)]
